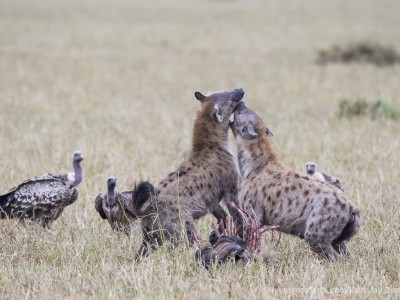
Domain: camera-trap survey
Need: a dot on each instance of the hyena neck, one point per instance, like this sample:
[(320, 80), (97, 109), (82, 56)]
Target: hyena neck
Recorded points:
[(256, 155), (208, 134)]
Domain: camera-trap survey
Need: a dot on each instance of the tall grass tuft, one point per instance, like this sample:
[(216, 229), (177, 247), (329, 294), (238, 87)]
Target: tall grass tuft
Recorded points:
[(374, 110), (363, 52)]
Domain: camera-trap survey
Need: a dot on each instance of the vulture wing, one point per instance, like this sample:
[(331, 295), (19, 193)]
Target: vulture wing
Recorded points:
[(99, 206), (42, 195), (126, 204), (333, 180)]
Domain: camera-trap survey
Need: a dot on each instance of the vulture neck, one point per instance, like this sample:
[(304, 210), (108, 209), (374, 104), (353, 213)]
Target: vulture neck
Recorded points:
[(78, 172), (111, 195)]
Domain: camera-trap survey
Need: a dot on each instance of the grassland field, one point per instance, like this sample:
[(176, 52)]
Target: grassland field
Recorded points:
[(115, 79)]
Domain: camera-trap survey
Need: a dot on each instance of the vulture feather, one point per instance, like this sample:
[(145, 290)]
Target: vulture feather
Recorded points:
[(116, 207), (311, 169), (42, 199)]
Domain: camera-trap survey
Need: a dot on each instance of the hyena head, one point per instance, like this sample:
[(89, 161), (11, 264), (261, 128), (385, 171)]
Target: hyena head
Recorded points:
[(220, 105), (247, 126), (251, 139)]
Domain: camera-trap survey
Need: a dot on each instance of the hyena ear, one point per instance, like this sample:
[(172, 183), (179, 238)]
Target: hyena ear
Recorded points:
[(269, 133), (199, 96), (248, 131), (217, 113)]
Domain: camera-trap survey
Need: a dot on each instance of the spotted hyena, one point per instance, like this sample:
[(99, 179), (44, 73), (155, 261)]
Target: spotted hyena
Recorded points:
[(196, 188), (299, 204)]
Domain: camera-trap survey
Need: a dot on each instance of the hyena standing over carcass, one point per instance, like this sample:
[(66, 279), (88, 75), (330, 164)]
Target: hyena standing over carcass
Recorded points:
[(196, 188), (300, 205)]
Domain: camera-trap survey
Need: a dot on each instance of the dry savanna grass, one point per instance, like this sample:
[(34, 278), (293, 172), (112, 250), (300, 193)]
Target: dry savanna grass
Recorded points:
[(115, 79)]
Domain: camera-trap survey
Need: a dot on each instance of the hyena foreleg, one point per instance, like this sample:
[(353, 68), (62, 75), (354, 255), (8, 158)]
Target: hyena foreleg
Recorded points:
[(219, 213)]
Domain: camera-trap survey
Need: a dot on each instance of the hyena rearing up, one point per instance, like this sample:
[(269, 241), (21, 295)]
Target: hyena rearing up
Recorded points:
[(196, 188), (301, 205)]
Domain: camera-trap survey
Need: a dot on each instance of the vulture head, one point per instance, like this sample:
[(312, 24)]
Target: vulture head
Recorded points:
[(77, 176), (111, 183), (311, 168), (77, 156)]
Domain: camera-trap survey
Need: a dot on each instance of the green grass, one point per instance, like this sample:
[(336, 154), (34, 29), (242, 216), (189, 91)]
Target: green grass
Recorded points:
[(116, 81), (363, 52), (374, 110)]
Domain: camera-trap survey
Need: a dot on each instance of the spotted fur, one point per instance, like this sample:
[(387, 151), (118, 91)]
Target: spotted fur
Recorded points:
[(299, 204), (207, 177)]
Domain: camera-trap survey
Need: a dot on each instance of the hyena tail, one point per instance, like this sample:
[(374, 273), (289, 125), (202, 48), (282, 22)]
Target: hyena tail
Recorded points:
[(351, 228), (142, 194)]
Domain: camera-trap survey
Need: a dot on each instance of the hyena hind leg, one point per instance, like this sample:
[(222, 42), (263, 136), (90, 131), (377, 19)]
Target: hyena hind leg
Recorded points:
[(342, 248), (323, 248), (148, 244), (143, 251)]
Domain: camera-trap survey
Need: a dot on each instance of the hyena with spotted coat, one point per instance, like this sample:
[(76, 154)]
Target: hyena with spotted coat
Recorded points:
[(196, 188), (301, 205)]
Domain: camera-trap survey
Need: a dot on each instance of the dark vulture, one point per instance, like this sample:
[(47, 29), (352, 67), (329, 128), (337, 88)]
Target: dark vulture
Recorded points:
[(42, 199), (116, 207), (311, 168), (227, 245)]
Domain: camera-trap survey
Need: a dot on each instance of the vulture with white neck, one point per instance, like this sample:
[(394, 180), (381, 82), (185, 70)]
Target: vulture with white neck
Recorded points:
[(42, 199)]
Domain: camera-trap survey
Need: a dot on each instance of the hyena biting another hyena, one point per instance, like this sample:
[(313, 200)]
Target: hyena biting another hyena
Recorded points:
[(196, 188), (299, 204)]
